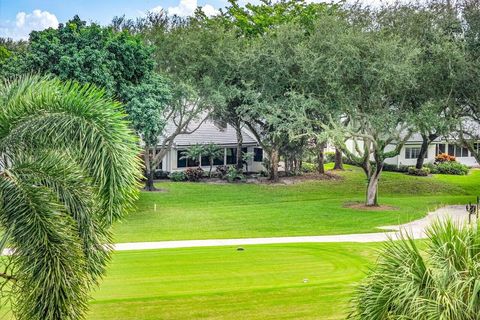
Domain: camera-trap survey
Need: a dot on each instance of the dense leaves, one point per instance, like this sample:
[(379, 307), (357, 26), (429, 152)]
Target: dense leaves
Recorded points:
[(68, 170), (440, 283), (90, 54)]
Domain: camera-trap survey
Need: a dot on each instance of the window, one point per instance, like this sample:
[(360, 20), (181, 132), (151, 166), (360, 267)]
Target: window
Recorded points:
[(257, 154), (440, 149), (231, 155), (216, 162), (183, 163), (457, 151), (476, 146), (412, 152), (461, 152), (451, 149)]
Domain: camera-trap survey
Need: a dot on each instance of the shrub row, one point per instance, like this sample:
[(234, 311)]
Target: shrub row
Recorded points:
[(449, 167), (419, 172)]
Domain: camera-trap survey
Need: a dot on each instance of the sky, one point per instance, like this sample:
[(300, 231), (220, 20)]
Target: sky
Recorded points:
[(19, 17)]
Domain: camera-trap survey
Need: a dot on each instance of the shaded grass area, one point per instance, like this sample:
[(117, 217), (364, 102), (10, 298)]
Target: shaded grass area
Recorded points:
[(261, 282), (207, 211)]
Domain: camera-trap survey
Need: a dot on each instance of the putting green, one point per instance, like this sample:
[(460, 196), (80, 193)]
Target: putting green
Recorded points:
[(294, 281)]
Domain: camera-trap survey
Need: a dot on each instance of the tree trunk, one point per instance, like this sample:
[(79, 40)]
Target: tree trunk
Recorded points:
[(338, 160), (238, 130), (321, 159), (274, 164), (423, 152), (372, 188), (149, 171)]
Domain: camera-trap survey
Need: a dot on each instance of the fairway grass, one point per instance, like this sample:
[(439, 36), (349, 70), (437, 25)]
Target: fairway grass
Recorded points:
[(261, 282), (186, 211)]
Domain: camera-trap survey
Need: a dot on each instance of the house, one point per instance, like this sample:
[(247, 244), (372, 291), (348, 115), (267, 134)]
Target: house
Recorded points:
[(224, 137), (410, 151)]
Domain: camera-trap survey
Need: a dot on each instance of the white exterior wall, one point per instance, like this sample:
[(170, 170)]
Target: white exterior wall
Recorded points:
[(400, 160)]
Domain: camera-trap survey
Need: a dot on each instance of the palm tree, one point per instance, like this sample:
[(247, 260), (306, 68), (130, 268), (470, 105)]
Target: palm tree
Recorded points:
[(439, 282), (212, 152), (68, 170), (193, 153)]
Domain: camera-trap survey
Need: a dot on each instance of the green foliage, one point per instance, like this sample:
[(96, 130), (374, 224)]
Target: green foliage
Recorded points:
[(395, 168), (309, 167), (329, 156), (442, 283), (193, 152), (160, 174), (69, 169), (257, 19), (234, 175), (450, 167), (177, 176), (146, 105), (418, 172), (90, 54)]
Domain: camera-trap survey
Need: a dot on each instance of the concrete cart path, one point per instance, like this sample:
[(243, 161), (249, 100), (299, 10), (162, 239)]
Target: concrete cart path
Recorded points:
[(415, 228)]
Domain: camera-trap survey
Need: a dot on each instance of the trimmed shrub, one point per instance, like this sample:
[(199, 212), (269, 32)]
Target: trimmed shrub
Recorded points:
[(419, 172), (194, 174), (177, 176), (395, 168), (234, 175), (308, 167), (451, 167), (221, 171), (160, 174)]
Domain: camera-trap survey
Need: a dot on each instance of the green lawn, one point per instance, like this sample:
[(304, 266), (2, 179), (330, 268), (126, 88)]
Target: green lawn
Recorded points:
[(262, 282), (205, 211)]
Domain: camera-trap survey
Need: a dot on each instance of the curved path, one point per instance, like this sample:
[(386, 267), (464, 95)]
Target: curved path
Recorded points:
[(415, 228)]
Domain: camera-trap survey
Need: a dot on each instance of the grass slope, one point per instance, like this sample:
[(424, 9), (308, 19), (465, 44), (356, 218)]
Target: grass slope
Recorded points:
[(206, 211), (262, 282)]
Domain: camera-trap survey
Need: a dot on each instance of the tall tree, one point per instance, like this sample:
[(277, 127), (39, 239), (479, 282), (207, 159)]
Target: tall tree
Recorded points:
[(469, 126), (371, 73), (90, 54), (148, 107), (68, 170), (435, 28)]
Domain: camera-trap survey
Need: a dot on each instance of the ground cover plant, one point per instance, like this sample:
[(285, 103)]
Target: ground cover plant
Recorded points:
[(440, 282), (293, 281), (207, 211)]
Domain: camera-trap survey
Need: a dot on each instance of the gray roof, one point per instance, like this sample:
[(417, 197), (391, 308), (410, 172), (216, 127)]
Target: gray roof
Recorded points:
[(209, 132)]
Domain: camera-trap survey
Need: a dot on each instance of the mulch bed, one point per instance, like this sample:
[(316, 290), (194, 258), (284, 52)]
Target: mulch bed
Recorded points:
[(363, 207)]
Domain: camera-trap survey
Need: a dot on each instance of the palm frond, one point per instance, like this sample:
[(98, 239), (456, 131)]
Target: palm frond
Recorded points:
[(68, 170), (440, 282)]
